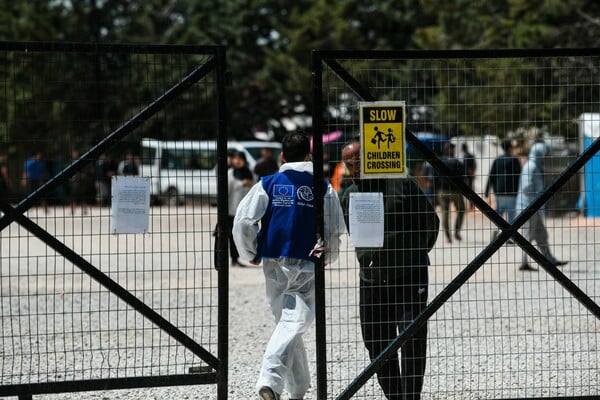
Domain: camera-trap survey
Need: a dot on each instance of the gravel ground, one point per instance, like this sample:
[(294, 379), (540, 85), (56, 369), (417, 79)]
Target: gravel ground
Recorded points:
[(504, 334)]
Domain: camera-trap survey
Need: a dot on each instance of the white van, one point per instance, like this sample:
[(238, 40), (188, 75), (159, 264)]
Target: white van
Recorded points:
[(254, 148), (189, 167)]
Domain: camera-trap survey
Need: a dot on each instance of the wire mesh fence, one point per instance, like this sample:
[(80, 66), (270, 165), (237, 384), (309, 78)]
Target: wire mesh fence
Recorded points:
[(513, 329), (60, 108)]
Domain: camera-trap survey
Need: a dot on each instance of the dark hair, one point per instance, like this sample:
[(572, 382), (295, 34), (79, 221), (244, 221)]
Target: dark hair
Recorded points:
[(507, 145), (449, 148), (295, 147), (240, 154)]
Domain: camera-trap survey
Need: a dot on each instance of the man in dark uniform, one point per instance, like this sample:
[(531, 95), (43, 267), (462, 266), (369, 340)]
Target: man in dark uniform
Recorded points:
[(394, 278)]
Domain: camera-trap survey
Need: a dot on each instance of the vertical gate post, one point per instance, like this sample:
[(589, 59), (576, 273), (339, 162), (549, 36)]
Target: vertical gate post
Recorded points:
[(222, 214), (320, 317)]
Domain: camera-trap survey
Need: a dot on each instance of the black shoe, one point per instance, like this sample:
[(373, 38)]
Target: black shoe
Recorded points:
[(266, 393), (235, 263), (527, 267), (559, 263)]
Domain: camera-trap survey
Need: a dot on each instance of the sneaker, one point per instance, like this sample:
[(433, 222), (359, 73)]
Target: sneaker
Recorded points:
[(527, 267), (559, 263), (266, 393)]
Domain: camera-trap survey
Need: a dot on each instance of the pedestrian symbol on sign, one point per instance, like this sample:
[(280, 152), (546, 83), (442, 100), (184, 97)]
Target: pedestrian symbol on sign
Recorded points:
[(383, 137), (390, 137)]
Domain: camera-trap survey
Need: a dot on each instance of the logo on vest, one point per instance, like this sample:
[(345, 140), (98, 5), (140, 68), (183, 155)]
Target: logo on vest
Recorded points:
[(283, 195), (305, 193)]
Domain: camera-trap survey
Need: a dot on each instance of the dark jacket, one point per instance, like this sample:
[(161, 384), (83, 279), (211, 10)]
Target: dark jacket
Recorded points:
[(442, 183), (410, 230), (504, 176)]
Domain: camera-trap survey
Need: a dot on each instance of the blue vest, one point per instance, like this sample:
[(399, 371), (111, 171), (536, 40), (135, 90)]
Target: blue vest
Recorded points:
[(288, 226)]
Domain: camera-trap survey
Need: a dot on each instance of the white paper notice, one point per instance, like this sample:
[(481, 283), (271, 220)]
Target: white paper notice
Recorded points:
[(366, 219), (130, 204)]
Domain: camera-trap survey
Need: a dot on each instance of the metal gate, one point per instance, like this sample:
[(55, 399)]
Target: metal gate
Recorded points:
[(83, 308), (495, 331)]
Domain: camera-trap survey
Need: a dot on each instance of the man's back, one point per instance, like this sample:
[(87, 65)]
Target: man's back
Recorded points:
[(442, 182), (291, 204), (469, 162), (504, 175)]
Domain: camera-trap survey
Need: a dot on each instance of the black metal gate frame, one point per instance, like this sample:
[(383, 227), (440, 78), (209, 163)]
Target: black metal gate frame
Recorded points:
[(216, 62), (329, 59)]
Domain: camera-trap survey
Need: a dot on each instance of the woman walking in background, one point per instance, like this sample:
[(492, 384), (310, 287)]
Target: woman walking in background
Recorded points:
[(240, 180)]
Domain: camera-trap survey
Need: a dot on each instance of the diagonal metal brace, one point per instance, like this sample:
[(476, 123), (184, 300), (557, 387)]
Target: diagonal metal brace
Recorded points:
[(110, 284)]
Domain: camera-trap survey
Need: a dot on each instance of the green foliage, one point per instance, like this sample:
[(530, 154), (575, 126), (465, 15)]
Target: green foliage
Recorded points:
[(482, 24), (269, 44)]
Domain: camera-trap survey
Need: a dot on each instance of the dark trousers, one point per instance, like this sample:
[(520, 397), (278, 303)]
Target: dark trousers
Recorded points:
[(233, 251), (445, 198), (385, 311)]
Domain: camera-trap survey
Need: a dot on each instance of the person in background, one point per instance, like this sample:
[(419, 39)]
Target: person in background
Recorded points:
[(283, 206), (504, 182), (240, 180), (266, 165), (77, 186), (101, 181), (394, 278), (5, 187), (340, 178), (34, 175), (230, 153), (128, 166), (470, 167), (531, 185), (447, 194), (427, 177)]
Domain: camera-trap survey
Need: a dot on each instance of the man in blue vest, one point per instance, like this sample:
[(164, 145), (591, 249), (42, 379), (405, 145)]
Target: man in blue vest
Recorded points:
[(283, 203)]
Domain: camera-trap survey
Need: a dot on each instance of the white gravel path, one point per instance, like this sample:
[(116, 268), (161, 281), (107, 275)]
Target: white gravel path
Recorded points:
[(504, 334)]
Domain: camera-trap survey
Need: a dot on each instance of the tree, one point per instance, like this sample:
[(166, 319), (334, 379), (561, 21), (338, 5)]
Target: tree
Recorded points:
[(511, 24)]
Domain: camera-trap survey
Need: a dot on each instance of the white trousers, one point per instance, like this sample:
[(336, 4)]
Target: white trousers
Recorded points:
[(290, 286)]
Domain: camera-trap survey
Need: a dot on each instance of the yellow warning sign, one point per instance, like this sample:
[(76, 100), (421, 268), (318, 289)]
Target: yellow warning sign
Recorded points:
[(382, 139)]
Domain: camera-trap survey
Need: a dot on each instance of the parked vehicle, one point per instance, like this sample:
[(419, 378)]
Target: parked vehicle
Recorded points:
[(179, 169), (254, 147)]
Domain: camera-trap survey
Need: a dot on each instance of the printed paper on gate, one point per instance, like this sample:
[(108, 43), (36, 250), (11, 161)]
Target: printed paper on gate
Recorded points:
[(130, 209), (365, 214)]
